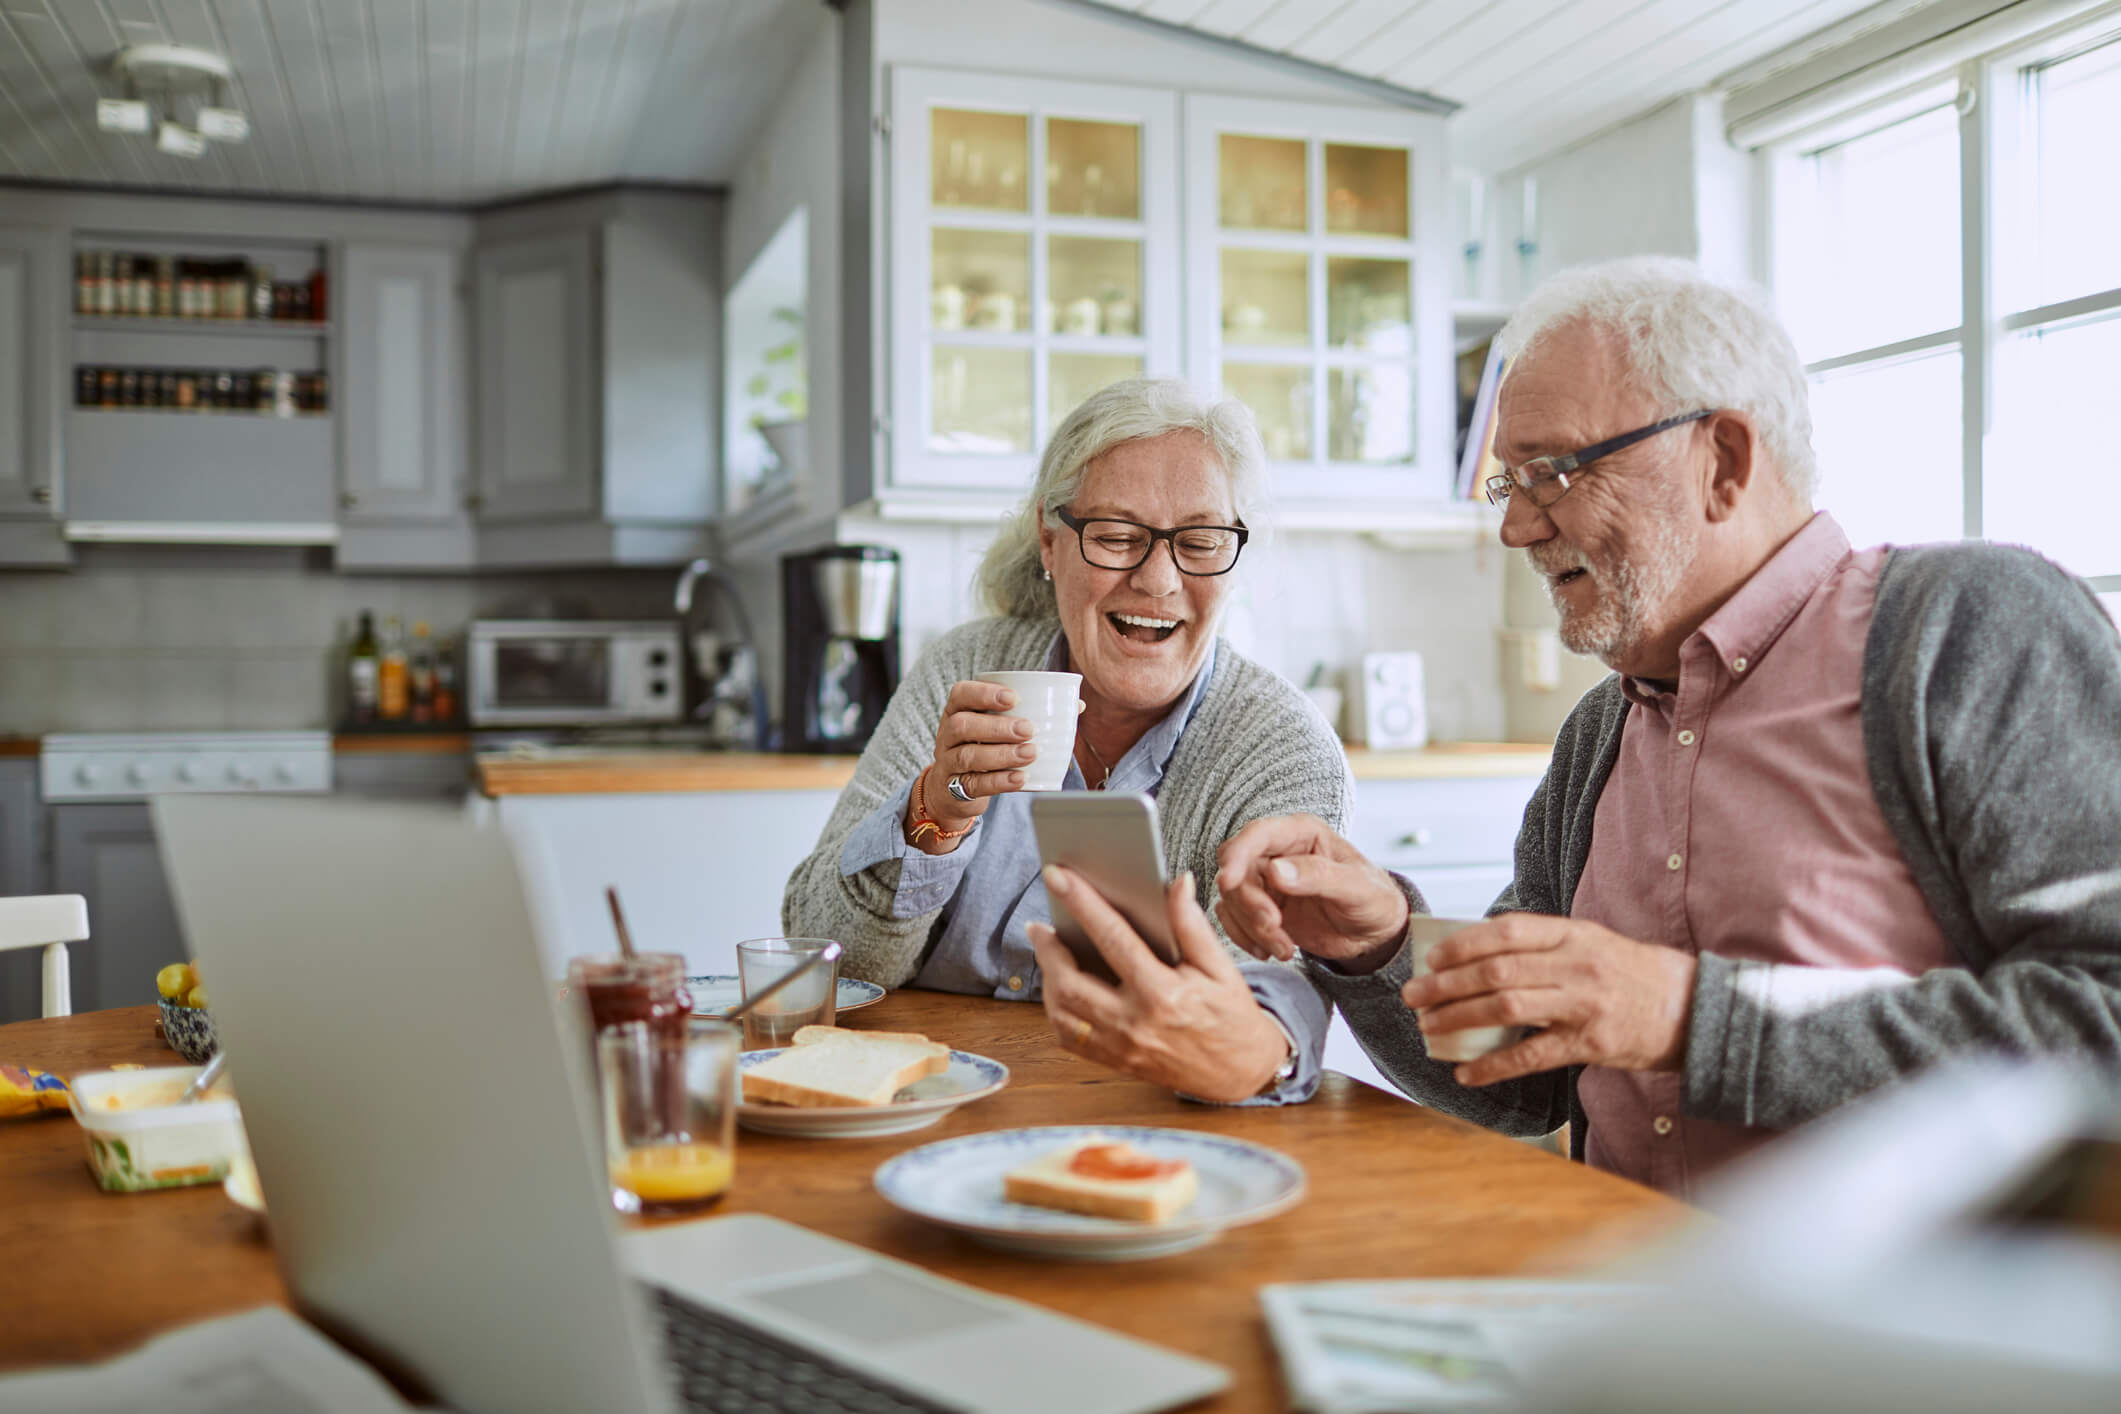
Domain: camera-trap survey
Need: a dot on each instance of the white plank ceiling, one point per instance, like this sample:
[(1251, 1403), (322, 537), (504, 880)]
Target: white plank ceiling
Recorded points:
[(1533, 75), (447, 101), (468, 101)]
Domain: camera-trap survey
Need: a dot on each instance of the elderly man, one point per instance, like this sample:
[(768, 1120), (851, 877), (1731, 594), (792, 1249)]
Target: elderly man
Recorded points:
[(1836, 815)]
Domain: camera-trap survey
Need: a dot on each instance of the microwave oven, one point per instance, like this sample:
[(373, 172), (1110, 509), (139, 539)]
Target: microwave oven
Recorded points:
[(562, 672)]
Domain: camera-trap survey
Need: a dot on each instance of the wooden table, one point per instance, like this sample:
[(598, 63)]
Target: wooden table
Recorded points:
[(1395, 1191)]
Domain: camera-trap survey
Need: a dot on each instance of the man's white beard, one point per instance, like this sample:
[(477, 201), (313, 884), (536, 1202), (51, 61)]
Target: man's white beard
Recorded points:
[(1628, 592)]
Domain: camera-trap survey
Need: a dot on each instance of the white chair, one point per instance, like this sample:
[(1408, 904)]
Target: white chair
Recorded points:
[(48, 921)]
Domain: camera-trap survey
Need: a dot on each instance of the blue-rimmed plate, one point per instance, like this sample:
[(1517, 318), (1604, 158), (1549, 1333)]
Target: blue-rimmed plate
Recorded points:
[(968, 1078), (958, 1184), (715, 994)]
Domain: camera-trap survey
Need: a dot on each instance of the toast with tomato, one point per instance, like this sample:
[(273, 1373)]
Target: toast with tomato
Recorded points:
[(1104, 1178)]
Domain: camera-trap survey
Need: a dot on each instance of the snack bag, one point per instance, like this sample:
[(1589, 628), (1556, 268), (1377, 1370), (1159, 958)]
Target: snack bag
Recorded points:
[(24, 1091)]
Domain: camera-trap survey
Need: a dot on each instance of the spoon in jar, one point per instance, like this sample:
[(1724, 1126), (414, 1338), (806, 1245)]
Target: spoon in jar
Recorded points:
[(618, 921), (205, 1078)]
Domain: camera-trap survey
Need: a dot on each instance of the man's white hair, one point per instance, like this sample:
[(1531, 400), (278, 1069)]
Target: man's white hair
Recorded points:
[(1010, 579), (1691, 342)]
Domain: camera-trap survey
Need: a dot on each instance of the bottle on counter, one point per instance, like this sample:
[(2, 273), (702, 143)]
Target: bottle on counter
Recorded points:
[(393, 679), (420, 667), (363, 661), (446, 681)]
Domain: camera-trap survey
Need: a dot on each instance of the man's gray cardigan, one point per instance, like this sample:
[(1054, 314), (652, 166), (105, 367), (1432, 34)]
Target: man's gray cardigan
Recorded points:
[(1992, 728)]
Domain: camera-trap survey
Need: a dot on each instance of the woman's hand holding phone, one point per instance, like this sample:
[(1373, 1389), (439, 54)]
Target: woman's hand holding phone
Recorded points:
[(983, 749), (1194, 1027)]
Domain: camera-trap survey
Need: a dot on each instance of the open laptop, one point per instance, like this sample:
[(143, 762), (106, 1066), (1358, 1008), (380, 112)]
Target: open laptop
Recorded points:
[(424, 1135)]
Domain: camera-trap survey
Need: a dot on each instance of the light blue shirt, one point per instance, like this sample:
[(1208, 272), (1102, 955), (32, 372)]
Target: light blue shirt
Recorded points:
[(989, 889)]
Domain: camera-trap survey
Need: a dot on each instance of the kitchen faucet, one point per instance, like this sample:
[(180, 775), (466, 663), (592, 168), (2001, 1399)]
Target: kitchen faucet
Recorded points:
[(682, 601)]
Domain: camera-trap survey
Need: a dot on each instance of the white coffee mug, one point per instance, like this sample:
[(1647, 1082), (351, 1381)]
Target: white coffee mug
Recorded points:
[(1423, 934), (1048, 701)]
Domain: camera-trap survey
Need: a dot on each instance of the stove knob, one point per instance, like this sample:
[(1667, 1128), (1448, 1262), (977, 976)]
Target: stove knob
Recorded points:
[(137, 774), (237, 775), (188, 772), (281, 774), (86, 774)]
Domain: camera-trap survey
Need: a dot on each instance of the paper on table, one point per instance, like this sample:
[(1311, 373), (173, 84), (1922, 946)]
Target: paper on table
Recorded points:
[(1430, 1347), (262, 1361)]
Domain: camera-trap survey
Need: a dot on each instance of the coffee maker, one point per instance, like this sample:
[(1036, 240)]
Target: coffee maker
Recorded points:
[(839, 609)]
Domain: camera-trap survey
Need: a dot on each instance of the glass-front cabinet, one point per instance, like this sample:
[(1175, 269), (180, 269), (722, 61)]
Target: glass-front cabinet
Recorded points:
[(1034, 259), (1318, 291)]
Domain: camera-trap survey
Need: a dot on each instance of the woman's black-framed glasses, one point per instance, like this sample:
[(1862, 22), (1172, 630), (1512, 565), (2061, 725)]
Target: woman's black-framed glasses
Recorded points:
[(1545, 480), (1202, 550)]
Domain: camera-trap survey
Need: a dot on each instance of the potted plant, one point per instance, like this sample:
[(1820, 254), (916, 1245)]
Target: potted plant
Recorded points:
[(780, 394)]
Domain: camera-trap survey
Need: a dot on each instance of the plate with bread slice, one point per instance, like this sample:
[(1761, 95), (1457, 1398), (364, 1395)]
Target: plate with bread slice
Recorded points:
[(1108, 1193), (719, 992), (834, 1083)]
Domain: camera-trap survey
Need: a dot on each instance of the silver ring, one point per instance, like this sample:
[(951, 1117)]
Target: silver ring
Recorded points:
[(957, 791)]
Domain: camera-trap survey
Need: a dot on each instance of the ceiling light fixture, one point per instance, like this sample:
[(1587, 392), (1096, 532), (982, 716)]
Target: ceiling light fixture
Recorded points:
[(176, 74)]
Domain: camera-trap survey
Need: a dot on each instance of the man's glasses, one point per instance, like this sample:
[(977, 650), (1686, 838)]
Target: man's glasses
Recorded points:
[(1124, 544), (1545, 480)]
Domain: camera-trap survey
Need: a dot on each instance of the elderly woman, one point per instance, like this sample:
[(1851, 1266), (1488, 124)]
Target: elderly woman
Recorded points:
[(1117, 568)]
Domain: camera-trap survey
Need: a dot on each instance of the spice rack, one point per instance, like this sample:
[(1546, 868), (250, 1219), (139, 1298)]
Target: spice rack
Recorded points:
[(245, 327)]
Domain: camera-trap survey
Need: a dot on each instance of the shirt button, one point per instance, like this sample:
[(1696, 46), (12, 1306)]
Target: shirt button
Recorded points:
[(1662, 1124), (1016, 984), (1686, 738), (1738, 665), (1673, 862)]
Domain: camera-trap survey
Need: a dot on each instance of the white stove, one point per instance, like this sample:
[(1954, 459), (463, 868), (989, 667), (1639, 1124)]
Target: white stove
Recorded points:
[(136, 765)]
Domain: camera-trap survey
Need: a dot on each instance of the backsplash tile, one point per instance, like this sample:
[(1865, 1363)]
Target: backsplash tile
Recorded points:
[(169, 638)]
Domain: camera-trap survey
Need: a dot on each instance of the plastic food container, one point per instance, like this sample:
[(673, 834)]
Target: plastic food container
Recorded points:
[(167, 1146)]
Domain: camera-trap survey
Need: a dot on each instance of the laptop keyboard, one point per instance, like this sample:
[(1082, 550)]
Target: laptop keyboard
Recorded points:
[(728, 1367)]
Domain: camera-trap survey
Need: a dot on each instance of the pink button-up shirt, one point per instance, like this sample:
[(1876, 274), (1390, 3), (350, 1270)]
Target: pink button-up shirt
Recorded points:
[(1739, 820)]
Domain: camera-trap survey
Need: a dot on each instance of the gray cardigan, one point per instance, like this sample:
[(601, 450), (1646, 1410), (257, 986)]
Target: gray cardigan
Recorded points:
[(1992, 729), (1255, 747)]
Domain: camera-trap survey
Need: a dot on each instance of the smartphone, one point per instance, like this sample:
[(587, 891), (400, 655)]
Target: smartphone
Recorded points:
[(1114, 843)]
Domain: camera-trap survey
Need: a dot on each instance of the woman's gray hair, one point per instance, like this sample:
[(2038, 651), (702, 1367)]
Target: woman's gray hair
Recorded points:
[(1010, 578), (1691, 342)]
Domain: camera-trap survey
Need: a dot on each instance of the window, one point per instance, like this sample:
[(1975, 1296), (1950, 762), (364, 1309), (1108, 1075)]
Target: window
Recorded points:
[(1949, 270)]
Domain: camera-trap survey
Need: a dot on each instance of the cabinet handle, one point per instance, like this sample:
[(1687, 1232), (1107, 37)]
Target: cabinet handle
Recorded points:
[(349, 500), (1414, 839), (42, 495), (473, 500)]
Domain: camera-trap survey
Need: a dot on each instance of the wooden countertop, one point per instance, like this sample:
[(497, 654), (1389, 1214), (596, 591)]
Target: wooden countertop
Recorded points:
[(1395, 1190), (618, 773)]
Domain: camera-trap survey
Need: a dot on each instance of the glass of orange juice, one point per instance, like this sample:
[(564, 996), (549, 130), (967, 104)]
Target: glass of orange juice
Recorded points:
[(669, 1114)]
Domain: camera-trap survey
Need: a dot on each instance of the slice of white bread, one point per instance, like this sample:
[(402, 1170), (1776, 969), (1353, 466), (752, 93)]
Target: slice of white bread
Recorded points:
[(813, 1035), (829, 1068), (1048, 1182)]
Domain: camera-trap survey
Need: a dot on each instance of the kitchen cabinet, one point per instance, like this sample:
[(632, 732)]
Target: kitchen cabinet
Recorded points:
[(393, 775), (152, 460), (404, 465), (106, 853), (31, 310), (1456, 839), (1034, 259), (1319, 266), (537, 428), (597, 337), (22, 872)]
